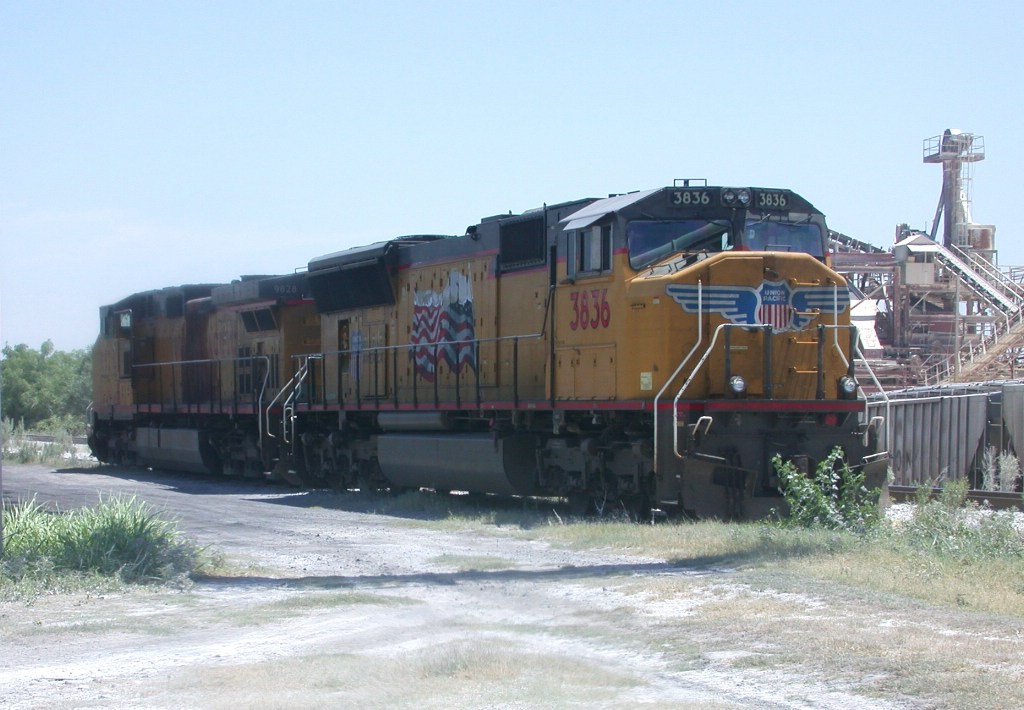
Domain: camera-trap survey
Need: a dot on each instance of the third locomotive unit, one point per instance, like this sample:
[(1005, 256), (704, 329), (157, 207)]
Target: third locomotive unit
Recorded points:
[(650, 349)]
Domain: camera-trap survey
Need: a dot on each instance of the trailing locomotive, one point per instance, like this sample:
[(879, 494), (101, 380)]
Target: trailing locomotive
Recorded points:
[(650, 349)]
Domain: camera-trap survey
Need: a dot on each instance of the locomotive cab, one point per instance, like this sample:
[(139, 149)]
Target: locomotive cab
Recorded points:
[(714, 309)]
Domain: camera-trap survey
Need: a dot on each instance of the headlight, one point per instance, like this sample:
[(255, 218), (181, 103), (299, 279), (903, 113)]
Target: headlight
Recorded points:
[(737, 385), (732, 196), (847, 386)]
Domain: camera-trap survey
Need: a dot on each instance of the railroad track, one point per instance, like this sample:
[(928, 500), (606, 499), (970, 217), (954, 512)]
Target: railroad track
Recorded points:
[(49, 439), (995, 499)]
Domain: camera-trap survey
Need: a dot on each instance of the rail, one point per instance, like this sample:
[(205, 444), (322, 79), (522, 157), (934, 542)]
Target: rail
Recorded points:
[(188, 391), (954, 260), (373, 379), (997, 500), (289, 392), (972, 350), (766, 330), (1004, 283)]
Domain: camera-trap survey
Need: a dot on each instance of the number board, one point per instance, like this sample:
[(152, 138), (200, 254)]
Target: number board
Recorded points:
[(689, 197), (772, 200)]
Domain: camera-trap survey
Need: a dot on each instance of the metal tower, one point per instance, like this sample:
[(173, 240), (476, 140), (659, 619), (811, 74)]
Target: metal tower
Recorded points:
[(956, 151)]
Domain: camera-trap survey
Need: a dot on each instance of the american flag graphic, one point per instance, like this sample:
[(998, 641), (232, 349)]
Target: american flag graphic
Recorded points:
[(443, 328)]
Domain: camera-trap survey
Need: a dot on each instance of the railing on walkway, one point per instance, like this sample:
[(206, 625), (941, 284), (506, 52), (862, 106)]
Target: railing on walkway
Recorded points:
[(465, 373), (975, 350)]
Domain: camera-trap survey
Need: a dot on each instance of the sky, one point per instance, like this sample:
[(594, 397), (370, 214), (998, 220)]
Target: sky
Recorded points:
[(151, 144)]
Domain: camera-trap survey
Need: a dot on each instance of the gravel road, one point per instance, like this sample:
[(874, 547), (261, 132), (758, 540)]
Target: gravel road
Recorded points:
[(336, 608)]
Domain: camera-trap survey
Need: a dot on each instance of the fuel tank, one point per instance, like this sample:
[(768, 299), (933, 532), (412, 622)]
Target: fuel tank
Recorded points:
[(480, 463), (176, 449)]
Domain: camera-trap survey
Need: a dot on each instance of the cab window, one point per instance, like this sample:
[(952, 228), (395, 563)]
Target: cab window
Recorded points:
[(590, 250), (651, 242), (765, 234)]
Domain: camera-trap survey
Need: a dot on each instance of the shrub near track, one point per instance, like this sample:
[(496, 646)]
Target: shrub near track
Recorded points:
[(120, 539)]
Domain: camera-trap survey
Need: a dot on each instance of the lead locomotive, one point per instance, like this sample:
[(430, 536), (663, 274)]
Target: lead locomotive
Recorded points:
[(651, 349)]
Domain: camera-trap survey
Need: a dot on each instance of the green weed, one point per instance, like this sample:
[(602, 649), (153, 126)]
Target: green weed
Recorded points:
[(120, 538), (835, 497)]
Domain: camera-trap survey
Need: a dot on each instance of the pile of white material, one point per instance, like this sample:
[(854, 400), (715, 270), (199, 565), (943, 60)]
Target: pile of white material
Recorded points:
[(901, 513)]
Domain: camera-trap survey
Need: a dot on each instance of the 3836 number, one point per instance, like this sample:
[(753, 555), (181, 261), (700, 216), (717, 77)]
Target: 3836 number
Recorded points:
[(690, 197), (772, 200), (590, 309)]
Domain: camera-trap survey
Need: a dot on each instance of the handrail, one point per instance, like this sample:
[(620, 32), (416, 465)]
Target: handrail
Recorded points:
[(410, 348), (1009, 286), (209, 361), (967, 352), (288, 406), (696, 344), (996, 298), (766, 330), (693, 374)]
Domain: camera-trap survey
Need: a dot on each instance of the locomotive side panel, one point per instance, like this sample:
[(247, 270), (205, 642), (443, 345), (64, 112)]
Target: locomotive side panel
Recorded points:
[(447, 315), (108, 368), (358, 361)]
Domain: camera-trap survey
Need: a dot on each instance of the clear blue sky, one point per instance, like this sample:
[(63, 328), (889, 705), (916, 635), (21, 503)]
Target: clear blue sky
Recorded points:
[(148, 144)]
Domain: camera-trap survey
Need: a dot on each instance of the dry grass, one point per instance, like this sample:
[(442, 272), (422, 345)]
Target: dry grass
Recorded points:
[(968, 661), (877, 563), (876, 645), (472, 563), (457, 674)]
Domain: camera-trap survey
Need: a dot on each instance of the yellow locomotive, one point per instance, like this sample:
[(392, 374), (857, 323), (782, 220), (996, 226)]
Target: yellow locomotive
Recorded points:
[(650, 349)]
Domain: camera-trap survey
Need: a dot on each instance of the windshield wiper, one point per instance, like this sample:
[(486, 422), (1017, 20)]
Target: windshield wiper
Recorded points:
[(680, 243)]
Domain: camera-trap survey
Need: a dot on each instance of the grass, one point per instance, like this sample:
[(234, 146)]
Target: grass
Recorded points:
[(62, 451), (117, 541), (472, 563), (948, 552), (458, 673)]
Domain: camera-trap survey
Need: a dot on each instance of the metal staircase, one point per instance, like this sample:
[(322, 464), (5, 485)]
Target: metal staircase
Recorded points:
[(992, 359), (992, 286)]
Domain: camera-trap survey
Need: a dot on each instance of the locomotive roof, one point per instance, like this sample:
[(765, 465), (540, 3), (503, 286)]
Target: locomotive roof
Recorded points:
[(188, 291), (368, 254), (599, 208), (254, 289)]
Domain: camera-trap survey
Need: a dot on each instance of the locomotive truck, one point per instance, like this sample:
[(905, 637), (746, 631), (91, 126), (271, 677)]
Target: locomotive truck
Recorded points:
[(654, 349)]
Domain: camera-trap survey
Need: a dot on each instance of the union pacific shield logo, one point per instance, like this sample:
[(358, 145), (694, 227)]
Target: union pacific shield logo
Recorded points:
[(773, 303), (774, 308)]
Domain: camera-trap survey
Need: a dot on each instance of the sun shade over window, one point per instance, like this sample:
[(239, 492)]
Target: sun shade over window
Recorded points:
[(355, 278)]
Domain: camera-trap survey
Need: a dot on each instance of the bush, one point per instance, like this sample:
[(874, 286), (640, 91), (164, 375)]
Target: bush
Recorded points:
[(18, 448), (120, 538), (950, 526), (47, 388), (834, 498)]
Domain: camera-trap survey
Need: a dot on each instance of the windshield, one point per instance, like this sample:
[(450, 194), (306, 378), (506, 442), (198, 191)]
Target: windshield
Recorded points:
[(650, 242), (765, 234)]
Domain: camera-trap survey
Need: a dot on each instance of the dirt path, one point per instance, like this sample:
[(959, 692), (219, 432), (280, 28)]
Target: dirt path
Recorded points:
[(339, 609)]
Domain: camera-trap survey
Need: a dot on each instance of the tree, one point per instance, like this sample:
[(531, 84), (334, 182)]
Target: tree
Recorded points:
[(46, 388)]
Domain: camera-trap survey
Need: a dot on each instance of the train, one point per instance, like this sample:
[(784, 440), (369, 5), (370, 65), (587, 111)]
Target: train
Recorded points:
[(649, 350)]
